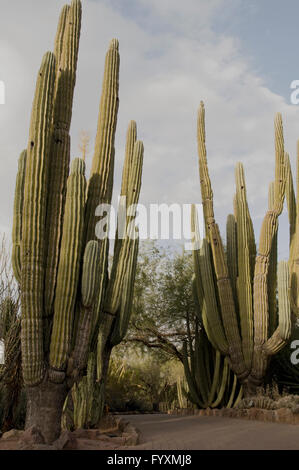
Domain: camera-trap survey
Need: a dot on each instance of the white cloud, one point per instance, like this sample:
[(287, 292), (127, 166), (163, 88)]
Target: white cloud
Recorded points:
[(170, 60)]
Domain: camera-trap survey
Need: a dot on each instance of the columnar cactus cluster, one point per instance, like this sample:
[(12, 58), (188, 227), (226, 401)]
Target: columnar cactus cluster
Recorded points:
[(70, 304), (211, 382), (237, 287)]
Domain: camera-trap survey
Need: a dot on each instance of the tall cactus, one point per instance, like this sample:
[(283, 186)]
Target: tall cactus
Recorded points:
[(243, 283), (66, 291)]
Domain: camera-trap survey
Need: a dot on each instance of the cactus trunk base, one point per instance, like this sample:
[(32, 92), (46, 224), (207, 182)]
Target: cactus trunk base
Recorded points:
[(44, 409), (250, 387)]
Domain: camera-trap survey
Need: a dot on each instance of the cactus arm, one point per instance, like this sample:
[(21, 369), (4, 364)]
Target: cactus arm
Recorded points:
[(59, 38), (102, 280), (201, 309), (239, 397), (268, 231), (226, 299), (223, 383), (291, 202), (131, 139), (213, 316), (67, 50), (105, 328), (272, 274), (197, 288), (244, 283), (131, 196), (283, 332), (294, 250), (216, 374), (204, 284), (101, 177), (33, 231), (232, 253), (122, 319), (190, 380), (69, 264), (122, 256), (130, 142), (88, 295), (90, 264), (205, 182), (101, 181), (18, 214), (198, 299), (199, 368), (232, 394)]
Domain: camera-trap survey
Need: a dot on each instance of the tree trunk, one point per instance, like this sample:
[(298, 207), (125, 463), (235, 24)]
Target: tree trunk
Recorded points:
[(44, 408)]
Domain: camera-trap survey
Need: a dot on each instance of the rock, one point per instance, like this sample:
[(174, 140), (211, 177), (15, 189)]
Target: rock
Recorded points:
[(12, 434), (130, 439), (88, 444), (111, 423), (103, 438), (270, 416), (284, 415), (81, 433), (226, 412), (66, 441), (121, 424), (243, 413), (254, 413), (33, 435), (27, 446), (94, 434)]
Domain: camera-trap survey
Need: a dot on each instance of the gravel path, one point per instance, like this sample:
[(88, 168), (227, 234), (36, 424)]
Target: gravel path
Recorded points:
[(163, 431)]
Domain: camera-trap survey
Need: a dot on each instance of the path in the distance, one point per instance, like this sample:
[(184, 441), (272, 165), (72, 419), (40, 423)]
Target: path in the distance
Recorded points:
[(161, 431)]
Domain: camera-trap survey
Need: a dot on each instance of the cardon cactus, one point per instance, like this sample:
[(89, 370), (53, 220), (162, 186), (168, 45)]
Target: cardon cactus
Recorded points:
[(242, 317), (70, 304)]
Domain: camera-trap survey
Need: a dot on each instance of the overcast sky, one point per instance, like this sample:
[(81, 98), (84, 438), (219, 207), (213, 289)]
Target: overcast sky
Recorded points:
[(238, 56)]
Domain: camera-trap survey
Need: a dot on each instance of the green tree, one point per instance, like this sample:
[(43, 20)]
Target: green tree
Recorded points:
[(163, 309)]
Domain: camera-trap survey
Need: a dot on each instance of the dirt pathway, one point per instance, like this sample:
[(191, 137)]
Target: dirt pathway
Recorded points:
[(213, 433)]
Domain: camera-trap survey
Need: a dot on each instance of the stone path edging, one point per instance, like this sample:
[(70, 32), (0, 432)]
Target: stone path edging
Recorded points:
[(282, 415)]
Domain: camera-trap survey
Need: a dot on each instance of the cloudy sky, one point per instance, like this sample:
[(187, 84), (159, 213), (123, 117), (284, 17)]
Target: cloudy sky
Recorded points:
[(238, 56)]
